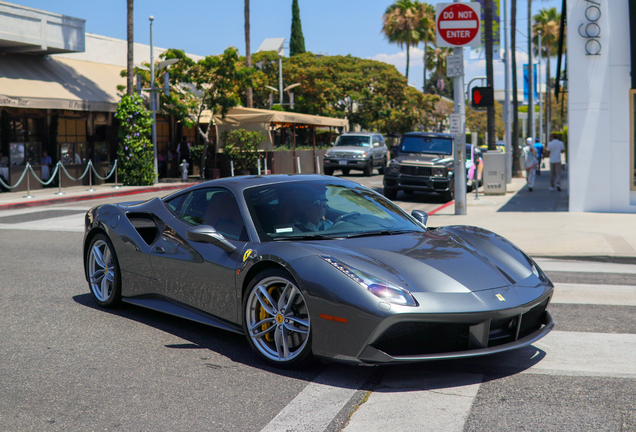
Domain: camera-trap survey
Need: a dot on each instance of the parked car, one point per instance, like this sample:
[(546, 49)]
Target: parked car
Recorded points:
[(359, 151), (424, 162), (311, 265)]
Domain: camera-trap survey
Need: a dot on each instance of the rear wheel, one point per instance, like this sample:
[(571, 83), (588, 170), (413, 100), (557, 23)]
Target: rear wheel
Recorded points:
[(382, 167), (276, 319), (104, 278), (390, 193), (449, 195)]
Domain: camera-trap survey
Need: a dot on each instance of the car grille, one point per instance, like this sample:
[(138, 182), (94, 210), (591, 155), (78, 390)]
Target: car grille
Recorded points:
[(413, 338), (416, 170), (421, 338)]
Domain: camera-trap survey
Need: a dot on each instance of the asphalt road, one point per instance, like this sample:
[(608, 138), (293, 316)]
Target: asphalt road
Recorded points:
[(66, 365)]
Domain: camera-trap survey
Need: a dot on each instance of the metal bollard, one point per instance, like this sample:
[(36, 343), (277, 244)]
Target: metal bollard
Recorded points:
[(317, 164), (59, 182), (298, 163), (258, 165), (28, 195), (232, 168), (90, 177), (265, 161)]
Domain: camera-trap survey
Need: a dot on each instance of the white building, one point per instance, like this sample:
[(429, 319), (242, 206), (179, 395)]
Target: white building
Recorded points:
[(601, 96)]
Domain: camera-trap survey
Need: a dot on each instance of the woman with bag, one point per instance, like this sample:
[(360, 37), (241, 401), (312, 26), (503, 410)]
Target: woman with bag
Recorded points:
[(530, 162)]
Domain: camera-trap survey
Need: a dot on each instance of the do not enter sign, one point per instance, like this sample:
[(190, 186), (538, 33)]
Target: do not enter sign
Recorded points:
[(458, 24)]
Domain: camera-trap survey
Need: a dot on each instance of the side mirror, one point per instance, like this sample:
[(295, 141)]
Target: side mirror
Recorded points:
[(207, 234), (420, 215)]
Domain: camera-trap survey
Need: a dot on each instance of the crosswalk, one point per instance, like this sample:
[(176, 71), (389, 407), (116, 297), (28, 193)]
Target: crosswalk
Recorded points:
[(441, 397)]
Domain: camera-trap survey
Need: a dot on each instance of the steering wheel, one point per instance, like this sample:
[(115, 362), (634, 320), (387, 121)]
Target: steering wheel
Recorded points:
[(346, 217)]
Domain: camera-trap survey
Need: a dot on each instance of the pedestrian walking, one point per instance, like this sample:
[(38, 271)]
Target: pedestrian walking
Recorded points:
[(530, 161), (183, 150), (555, 148), (539, 148)]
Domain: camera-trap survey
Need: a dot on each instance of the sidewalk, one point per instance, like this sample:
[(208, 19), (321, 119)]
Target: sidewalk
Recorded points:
[(540, 224), (538, 221)]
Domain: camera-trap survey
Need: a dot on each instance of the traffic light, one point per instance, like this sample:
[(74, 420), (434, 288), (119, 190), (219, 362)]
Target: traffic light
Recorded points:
[(482, 97)]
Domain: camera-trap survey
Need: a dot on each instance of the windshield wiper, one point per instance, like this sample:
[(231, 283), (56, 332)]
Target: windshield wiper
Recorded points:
[(305, 237), (378, 233)]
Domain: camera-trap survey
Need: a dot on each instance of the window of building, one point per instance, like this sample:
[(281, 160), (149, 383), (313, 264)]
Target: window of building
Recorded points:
[(71, 136)]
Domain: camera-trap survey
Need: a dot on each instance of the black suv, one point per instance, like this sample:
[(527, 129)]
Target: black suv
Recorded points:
[(423, 162), (356, 150)]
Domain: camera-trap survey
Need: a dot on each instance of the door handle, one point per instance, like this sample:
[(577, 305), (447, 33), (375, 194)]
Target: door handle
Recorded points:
[(160, 249)]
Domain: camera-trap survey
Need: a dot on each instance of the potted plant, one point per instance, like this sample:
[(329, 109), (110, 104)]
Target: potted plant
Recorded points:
[(241, 147)]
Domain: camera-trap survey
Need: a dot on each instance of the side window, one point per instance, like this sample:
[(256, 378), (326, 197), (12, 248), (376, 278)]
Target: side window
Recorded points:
[(215, 207), (376, 141), (175, 204)]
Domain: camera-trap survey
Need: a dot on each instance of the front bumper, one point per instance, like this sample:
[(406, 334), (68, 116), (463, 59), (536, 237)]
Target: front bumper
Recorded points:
[(339, 163), (417, 183)]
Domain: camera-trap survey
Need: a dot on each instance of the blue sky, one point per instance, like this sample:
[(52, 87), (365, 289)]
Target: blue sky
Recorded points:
[(206, 27)]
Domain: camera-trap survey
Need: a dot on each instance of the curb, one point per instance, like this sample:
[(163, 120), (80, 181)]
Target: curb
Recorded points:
[(62, 200), (591, 258)]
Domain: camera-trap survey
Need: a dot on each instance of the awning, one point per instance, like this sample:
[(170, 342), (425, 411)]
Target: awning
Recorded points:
[(240, 115), (58, 83)]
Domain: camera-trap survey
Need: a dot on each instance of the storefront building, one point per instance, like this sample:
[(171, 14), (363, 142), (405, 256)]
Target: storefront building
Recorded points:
[(601, 66)]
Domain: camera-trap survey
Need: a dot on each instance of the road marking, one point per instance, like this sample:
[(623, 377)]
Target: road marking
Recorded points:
[(584, 266), (318, 404), (406, 402), (73, 223), (618, 295)]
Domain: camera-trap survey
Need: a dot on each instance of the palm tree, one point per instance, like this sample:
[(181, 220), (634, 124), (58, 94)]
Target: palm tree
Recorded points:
[(516, 166), (426, 28), (400, 26), (490, 113), (130, 64), (436, 61), (547, 22), (248, 53)]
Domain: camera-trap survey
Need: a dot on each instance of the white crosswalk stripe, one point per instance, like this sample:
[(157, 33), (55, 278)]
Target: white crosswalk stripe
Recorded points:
[(434, 402)]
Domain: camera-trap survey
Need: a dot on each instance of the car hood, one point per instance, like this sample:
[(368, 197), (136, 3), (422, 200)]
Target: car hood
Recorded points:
[(452, 260), (424, 159), (350, 149)]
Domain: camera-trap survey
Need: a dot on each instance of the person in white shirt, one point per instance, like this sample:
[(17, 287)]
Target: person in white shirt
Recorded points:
[(555, 148), (530, 162)]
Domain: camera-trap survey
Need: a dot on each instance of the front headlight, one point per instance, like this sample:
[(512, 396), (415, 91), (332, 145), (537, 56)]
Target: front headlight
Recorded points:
[(381, 289), (360, 155), (438, 172), (330, 153), (394, 168)]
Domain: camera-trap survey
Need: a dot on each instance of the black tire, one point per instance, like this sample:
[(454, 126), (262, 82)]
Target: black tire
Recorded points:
[(409, 192), (368, 170), (345, 171), (284, 319), (390, 193), (382, 168), (328, 171), (104, 276), (449, 195)]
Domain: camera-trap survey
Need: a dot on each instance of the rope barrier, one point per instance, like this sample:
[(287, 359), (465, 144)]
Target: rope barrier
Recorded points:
[(90, 166)]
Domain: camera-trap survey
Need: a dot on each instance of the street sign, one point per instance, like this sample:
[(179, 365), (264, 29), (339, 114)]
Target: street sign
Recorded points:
[(454, 65), (455, 124), (458, 24)]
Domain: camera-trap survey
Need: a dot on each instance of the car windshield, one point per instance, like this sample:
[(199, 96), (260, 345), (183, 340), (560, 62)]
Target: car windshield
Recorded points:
[(424, 144), (353, 140), (323, 210)]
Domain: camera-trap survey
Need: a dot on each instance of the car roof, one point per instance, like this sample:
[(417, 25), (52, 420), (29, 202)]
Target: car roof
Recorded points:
[(360, 133), (429, 134), (240, 183)]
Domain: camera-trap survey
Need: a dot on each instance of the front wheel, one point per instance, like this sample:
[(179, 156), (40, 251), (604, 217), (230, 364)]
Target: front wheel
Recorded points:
[(382, 168), (276, 319), (328, 171), (368, 170), (104, 278), (345, 171), (449, 195), (390, 193)]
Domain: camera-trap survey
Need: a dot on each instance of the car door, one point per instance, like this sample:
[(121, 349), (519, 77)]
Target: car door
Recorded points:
[(201, 275)]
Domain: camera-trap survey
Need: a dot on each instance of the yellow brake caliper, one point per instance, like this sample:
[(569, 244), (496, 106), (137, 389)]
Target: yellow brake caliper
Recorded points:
[(263, 314)]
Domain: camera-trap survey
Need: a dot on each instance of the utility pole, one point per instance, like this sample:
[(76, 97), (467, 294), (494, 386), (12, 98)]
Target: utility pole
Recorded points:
[(540, 97), (530, 76), (152, 104), (506, 107)]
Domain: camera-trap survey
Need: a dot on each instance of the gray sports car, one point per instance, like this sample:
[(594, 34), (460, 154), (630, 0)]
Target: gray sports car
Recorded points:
[(310, 265)]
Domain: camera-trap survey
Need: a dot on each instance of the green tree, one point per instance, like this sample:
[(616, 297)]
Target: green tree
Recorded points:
[(241, 147), (490, 79), (547, 22), (477, 121), (436, 63), (210, 86), (401, 25), (426, 28), (297, 41), (135, 155)]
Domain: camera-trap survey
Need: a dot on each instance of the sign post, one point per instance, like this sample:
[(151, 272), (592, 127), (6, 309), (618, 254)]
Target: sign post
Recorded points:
[(458, 25)]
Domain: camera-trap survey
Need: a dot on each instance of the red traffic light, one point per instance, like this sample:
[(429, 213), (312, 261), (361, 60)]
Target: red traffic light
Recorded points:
[(482, 97)]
